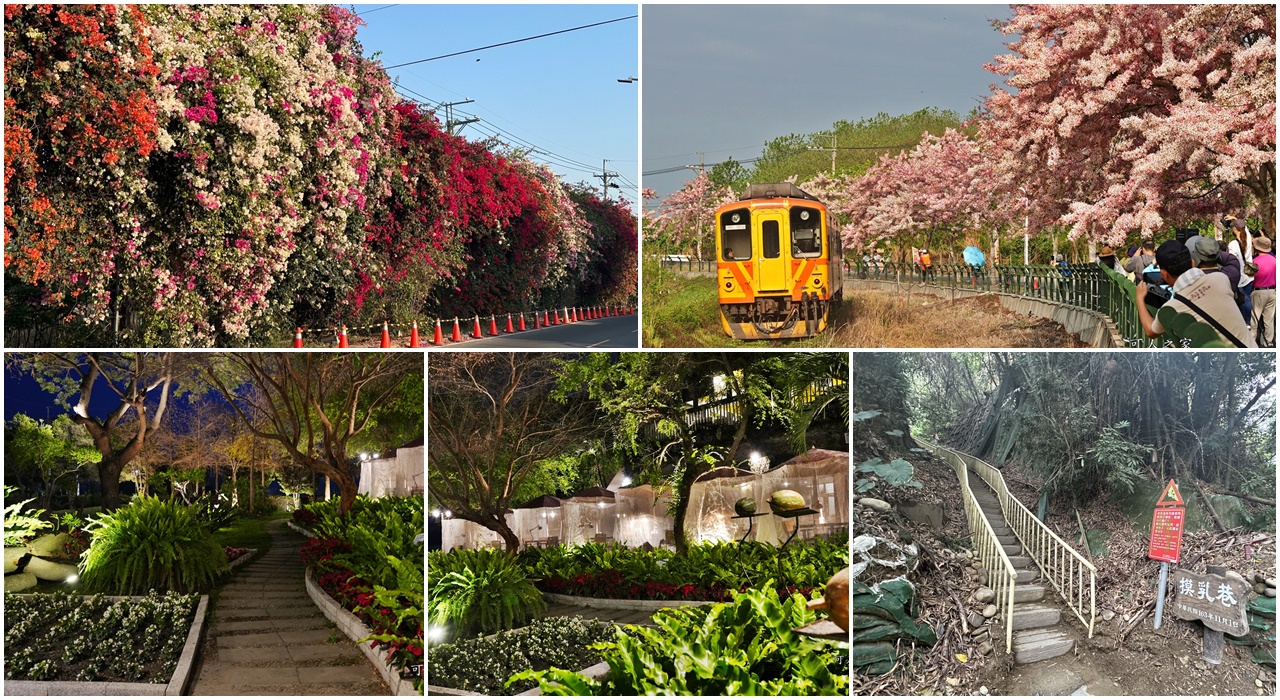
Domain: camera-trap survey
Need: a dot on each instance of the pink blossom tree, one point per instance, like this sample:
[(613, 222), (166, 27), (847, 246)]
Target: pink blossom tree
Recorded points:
[(941, 187), (1132, 117), (687, 216)]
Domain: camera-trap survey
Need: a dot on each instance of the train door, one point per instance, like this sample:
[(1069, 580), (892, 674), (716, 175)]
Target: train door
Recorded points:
[(771, 275)]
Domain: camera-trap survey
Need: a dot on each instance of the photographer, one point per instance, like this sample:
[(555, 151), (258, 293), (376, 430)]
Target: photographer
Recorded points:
[(1207, 297)]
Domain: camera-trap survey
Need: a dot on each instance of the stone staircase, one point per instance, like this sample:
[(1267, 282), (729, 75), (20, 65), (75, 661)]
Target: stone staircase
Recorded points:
[(1036, 632)]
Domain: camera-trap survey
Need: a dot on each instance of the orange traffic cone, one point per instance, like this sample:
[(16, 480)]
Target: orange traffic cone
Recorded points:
[(297, 338), (457, 334), (475, 329), (510, 328), (437, 338), (522, 321), (414, 340), (493, 325), (386, 336), (342, 338), (1035, 283), (577, 314), (555, 317)]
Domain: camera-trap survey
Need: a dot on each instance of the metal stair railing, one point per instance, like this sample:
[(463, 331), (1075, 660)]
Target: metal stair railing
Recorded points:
[(1001, 576), (1060, 563)]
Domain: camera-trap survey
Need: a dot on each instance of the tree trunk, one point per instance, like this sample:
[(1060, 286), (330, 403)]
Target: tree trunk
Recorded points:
[(347, 485), (685, 488), (109, 476)]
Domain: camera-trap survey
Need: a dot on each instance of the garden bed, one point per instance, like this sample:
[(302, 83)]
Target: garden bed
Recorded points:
[(247, 556), (481, 666), (357, 630), (300, 530), (114, 657)]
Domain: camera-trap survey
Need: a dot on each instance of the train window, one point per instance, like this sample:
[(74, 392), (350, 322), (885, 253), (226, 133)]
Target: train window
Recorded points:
[(769, 238), (735, 235), (806, 232)]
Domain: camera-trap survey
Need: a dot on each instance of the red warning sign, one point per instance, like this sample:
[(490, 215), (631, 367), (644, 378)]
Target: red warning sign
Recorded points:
[(1170, 496), (1166, 526)]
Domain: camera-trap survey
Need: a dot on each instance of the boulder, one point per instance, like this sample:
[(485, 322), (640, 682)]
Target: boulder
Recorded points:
[(985, 648), (13, 558), (16, 583), (1269, 592), (976, 620), (50, 571), (1108, 615), (1259, 588), (48, 546), (990, 611), (929, 514), (984, 595), (876, 504)]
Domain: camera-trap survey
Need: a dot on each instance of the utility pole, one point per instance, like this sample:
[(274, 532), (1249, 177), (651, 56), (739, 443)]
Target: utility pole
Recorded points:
[(833, 152), (450, 122), (604, 176)]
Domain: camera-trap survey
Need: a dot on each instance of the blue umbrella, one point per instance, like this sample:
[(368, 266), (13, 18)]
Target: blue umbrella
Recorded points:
[(974, 257)]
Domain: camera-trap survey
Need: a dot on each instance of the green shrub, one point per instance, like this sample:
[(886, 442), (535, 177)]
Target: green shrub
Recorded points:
[(151, 544), (746, 647), (479, 591), (19, 528), (483, 665)]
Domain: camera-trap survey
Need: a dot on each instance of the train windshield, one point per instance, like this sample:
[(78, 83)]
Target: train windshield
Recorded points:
[(806, 232), (735, 235)]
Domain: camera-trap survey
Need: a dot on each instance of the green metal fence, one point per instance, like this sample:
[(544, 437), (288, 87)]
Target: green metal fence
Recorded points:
[(1090, 286)]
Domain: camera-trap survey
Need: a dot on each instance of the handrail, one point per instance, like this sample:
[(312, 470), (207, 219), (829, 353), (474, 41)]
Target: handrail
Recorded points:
[(990, 552), (1060, 563)]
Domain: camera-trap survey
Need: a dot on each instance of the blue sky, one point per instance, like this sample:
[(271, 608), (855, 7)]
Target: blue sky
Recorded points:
[(722, 79), (559, 93)]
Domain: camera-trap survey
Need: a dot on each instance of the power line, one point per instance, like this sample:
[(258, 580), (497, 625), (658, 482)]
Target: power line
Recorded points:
[(513, 41), (367, 12)]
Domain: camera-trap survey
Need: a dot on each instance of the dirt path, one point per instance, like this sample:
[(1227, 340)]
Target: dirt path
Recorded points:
[(267, 638)]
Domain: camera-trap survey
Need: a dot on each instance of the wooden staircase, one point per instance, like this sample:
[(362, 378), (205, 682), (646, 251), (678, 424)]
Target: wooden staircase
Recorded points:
[(1036, 632)]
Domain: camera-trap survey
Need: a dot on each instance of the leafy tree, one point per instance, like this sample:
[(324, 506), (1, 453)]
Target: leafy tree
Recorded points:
[(141, 383), (494, 425), (686, 216), (1129, 117), (314, 405), (730, 174), (54, 453), (641, 392)]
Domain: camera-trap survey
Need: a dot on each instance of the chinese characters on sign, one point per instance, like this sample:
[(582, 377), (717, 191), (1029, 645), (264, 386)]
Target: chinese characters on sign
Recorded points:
[(1166, 526), (1217, 601), (1166, 534)]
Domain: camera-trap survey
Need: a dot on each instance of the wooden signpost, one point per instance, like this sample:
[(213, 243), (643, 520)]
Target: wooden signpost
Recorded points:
[(1166, 539)]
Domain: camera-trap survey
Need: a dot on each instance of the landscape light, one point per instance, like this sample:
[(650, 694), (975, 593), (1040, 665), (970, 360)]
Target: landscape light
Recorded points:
[(375, 455), (364, 456), (72, 578), (626, 481), (448, 514), (437, 633), (435, 513)]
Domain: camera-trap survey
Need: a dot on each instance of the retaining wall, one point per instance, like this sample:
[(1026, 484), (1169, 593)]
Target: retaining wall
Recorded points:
[(620, 603), (356, 630), (1093, 328)]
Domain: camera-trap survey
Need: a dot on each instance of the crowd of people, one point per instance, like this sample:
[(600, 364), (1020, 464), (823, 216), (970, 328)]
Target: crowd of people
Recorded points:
[(1231, 286)]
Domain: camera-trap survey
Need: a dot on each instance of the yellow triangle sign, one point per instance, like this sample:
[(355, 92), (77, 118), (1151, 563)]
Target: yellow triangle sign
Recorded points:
[(1170, 496)]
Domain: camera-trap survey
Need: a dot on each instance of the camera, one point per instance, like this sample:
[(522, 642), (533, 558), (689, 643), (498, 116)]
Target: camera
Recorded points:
[(1158, 293)]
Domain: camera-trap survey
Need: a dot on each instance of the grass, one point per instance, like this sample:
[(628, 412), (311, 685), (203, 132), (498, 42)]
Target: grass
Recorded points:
[(250, 533), (682, 311)]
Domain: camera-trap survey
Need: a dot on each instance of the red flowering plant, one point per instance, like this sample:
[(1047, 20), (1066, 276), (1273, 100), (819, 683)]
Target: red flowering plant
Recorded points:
[(79, 126), (367, 560)]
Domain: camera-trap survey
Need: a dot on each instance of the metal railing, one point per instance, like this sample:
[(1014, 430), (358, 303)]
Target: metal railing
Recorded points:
[(1089, 286), (688, 264), (1001, 576), (1061, 564)]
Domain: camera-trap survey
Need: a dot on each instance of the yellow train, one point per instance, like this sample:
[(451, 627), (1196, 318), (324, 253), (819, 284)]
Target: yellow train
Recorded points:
[(778, 269)]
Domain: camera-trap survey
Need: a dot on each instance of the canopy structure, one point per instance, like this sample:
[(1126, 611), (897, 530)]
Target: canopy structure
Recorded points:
[(539, 522), (590, 516), (635, 516), (400, 472)]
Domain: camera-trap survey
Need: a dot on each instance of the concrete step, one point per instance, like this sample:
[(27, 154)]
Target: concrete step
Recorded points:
[(1030, 646), (1026, 575), (1028, 593), (1002, 530), (1034, 615), (1007, 539), (1012, 549), (1020, 562)]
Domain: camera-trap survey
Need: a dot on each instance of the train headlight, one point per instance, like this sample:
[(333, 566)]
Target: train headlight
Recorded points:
[(804, 216), (736, 218)]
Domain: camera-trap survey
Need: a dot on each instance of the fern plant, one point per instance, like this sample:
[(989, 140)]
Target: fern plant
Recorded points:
[(19, 528), (151, 544), (479, 592)]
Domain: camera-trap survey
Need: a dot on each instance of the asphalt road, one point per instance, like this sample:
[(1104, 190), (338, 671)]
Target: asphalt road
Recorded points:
[(607, 332)]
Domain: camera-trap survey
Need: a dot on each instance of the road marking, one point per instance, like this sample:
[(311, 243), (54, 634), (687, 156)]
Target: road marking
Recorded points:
[(598, 344)]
